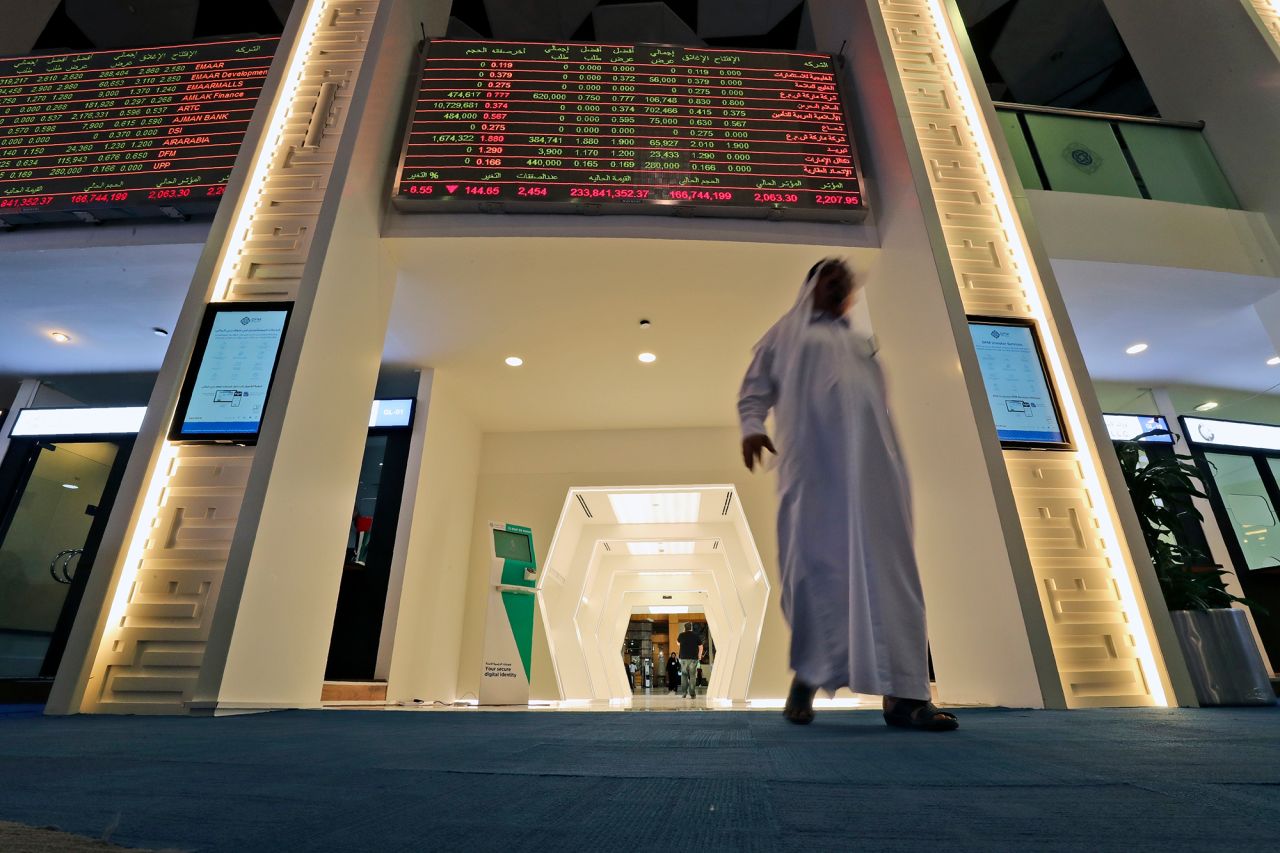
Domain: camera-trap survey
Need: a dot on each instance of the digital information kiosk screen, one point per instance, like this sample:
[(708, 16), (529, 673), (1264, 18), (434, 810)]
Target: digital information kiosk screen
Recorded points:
[(520, 126), (512, 546), (1017, 385), (123, 133), (230, 376)]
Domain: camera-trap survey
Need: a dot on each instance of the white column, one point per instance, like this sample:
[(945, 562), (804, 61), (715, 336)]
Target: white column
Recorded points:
[(221, 564), (437, 531), (1089, 584)]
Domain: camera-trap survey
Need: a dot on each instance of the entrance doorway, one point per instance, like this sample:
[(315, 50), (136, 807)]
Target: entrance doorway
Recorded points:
[(651, 654), (55, 498), (627, 561), (366, 565)]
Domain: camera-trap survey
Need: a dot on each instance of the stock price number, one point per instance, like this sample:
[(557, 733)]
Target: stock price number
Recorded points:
[(701, 195)]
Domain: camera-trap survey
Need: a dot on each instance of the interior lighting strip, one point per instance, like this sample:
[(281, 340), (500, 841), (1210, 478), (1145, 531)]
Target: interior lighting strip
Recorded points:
[(1268, 12), (1089, 464), (272, 145)]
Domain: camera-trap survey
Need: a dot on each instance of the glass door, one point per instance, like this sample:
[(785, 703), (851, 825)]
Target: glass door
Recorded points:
[(1246, 496), (1248, 505), (46, 527)]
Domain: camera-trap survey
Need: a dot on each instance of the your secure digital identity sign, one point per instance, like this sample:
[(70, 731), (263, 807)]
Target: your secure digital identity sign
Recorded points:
[(1013, 372), (227, 385), (640, 128)]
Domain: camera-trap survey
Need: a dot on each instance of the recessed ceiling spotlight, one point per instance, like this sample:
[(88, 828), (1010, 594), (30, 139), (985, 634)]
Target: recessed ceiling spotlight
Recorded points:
[(647, 357), (1274, 360), (1136, 348), (70, 486), (1207, 406), (60, 337), (159, 332), (514, 360)]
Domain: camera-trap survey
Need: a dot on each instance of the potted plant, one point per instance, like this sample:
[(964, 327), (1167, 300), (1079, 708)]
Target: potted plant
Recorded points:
[(1215, 638)]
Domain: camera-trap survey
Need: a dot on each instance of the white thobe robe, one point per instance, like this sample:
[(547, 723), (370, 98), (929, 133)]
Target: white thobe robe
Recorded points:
[(850, 585)]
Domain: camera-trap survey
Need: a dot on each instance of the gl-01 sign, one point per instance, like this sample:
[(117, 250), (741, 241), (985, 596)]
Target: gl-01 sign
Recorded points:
[(525, 126), (123, 133)]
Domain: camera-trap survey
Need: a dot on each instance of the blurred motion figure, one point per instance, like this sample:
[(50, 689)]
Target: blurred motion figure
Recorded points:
[(850, 585)]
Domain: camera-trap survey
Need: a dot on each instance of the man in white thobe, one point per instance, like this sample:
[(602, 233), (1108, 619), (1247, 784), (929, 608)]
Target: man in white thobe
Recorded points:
[(850, 585)]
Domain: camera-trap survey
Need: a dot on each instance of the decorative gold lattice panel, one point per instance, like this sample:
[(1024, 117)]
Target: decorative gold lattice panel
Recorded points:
[(1096, 631)]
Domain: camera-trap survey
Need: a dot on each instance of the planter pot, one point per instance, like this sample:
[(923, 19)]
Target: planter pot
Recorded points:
[(1224, 662)]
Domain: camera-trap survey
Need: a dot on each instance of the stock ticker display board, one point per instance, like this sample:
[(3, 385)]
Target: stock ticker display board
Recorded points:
[(125, 133), (601, 128)]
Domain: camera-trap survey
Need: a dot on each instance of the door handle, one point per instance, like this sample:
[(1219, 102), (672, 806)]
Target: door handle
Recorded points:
[(64, 557)]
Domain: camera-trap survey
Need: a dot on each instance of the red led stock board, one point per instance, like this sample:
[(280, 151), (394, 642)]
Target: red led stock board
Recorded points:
[(125, 133), (602, 128)]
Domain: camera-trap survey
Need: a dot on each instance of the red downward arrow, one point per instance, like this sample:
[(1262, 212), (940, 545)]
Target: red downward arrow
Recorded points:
[(451, 187)]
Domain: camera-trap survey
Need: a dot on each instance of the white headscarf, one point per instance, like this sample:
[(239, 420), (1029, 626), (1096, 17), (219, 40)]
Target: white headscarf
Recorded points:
[(783, 337)]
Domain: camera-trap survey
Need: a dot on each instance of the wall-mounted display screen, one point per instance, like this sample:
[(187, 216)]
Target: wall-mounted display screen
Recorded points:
[(391, 413), (124, 133), (230, 375), (604, 128), (104, 420), (1129, 427), (512, 546), (1017, 385), (1215, 433)]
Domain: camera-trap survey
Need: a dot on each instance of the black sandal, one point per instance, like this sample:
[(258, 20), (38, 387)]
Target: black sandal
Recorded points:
[(917, 714), (799, 708)]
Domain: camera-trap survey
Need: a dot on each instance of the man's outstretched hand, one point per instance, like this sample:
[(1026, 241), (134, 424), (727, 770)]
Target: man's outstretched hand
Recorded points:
[(753, 447)]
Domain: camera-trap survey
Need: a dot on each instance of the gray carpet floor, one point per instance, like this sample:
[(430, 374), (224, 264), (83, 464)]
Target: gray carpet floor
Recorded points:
[(1151, 780)]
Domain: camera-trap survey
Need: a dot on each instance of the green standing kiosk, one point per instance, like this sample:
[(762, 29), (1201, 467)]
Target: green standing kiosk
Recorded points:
[(508, 636)]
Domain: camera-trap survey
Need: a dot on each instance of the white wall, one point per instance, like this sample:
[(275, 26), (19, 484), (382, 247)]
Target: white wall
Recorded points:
[(1080, 226), (429, 625)]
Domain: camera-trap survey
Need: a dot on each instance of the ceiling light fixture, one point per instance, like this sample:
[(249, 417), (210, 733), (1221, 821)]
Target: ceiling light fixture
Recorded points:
[(1136, 348), (1274, 360), (159, 332), (60, 337), (647, 357), (514, 360), (659, 508), (71, 486), (1207, 406)]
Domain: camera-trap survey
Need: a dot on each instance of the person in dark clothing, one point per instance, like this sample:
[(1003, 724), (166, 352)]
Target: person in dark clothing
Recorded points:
[(690, 643), (673, 673)]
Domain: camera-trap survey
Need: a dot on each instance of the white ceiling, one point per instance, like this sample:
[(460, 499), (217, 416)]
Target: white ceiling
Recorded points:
[(570, 307), (1201, 326), (107, 298)]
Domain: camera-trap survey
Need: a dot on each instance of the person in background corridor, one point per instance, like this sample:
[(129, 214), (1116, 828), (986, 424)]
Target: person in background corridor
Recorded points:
[(690, 643), (673, 673), (850, 586)]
